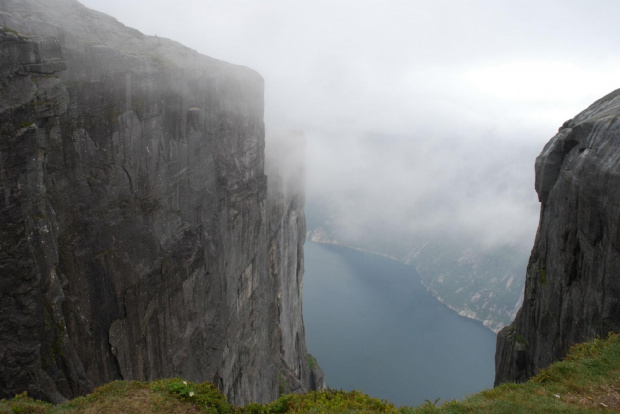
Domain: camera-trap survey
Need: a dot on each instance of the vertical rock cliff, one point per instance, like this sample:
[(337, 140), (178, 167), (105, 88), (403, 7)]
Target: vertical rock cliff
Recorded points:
[(140, 236), (572, 291), (284, 166)]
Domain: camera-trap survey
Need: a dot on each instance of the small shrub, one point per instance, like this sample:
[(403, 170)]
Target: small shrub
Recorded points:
[(311, 361), (282, 385), (521, 340), (22, 404)]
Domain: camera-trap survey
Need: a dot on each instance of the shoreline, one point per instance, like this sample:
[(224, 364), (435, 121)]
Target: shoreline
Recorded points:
[(469, 314)]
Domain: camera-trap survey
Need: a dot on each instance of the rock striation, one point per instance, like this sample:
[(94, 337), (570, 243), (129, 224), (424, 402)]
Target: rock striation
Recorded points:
[(572, 291), (140, 237)]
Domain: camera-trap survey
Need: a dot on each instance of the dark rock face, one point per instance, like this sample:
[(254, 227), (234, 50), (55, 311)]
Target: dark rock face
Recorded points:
[(139, 236), (572, 291)]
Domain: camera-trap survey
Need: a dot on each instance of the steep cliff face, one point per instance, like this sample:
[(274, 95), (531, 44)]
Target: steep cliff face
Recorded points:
[(572, 291), (284, 166), (137, 235)]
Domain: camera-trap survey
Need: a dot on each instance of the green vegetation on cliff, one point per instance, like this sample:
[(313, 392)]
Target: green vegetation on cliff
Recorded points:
[(587, 380)]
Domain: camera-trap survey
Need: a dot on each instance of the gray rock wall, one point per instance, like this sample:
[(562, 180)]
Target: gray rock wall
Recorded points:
[(572, 291), (284, 166), (138, 241)]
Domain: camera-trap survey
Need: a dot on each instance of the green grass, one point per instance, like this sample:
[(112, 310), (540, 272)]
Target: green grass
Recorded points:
[(587, 380)]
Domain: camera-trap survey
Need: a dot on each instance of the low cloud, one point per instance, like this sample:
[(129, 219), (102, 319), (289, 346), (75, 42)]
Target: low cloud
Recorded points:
[(419, 117), (473, 188)]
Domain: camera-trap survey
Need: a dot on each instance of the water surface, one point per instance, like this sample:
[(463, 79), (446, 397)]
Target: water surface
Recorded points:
[(374, 327)]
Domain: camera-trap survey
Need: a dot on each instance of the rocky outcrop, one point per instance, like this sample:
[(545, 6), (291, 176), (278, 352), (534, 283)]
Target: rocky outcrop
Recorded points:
[(572, 291), (140, 236)]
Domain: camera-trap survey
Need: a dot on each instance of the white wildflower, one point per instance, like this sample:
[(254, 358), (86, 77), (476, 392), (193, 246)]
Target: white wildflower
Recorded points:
[(191, 393)]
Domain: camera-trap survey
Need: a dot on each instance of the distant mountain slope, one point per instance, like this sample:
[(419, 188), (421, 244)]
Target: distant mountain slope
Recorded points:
[(482, 284), (478, 282)]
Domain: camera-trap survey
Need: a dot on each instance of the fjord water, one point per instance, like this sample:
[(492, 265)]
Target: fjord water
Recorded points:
[(374, 327)]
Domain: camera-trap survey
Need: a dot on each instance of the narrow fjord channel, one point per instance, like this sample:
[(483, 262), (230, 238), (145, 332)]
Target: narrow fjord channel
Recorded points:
[(374, 327)]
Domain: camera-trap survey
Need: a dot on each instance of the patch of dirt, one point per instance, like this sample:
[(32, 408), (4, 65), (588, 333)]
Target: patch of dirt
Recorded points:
[(602, 396)]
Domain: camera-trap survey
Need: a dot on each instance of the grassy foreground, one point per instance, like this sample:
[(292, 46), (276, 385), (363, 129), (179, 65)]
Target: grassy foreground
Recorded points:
[(587, 380)]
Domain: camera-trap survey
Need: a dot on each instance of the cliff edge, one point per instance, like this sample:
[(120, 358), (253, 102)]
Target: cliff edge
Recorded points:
[(137, 239), (572, 291)]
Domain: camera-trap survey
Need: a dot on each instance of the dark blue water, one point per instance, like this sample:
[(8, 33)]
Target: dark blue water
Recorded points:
[(374, 327)]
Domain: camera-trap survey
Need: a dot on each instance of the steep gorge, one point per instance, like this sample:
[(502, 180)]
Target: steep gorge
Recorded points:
[(572, 291), (142, 233)]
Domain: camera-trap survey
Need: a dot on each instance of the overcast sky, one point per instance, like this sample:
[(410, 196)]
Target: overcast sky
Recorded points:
[(417, 114)]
